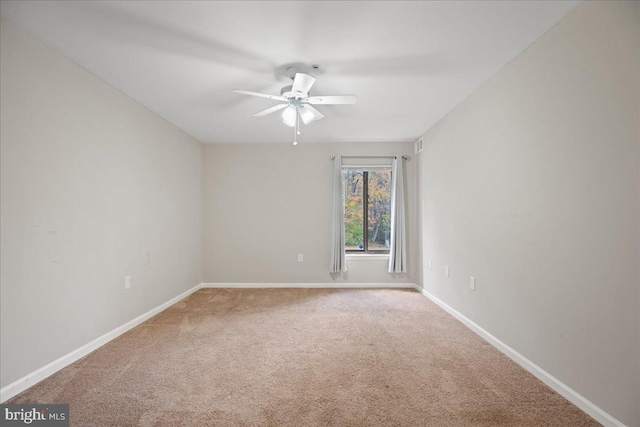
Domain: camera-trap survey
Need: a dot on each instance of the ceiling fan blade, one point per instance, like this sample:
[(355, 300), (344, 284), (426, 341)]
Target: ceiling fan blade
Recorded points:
[(270, 110), (261, 95), (302, 84), (309, 114), (333, 99)]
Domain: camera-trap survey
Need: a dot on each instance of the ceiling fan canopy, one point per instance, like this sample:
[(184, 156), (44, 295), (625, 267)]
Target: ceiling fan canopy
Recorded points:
[(297, 103)]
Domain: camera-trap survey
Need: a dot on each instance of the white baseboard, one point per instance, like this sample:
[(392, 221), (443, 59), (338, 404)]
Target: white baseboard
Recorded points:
[(561, 388), (309, 285), (38, 375)]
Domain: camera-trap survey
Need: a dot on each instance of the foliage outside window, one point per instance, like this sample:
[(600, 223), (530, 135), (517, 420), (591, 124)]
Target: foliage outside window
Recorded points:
[(367, 216)]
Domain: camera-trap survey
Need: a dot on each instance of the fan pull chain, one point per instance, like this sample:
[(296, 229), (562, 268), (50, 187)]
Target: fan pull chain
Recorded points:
[(296, 129), (295, 132)]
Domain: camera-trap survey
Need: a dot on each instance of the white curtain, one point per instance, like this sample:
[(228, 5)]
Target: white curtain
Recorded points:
[(398, 249), (338, 260)]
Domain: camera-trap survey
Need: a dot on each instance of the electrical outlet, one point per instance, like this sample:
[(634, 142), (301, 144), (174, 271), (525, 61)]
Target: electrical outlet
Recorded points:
[(472, 283), (127, 282), (300, 257), (446, 270)]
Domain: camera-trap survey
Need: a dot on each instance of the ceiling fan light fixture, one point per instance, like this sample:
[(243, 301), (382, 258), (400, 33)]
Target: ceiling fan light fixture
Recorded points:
[(306, 115), (289, 116)]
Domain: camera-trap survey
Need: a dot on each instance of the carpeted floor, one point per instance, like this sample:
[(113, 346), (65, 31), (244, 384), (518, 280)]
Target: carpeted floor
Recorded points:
[(303, 357)]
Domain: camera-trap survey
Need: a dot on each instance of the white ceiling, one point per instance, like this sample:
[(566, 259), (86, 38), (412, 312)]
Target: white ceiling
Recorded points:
[(410, 63)]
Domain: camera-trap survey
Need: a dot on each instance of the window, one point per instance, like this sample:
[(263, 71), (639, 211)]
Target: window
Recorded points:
[(367, 214)]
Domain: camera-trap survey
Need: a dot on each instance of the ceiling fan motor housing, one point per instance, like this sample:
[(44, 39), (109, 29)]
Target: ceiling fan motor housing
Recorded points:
[(288, 93)]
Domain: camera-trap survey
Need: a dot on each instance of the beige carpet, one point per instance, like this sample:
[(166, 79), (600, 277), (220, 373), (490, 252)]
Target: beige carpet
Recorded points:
[(303, 357)]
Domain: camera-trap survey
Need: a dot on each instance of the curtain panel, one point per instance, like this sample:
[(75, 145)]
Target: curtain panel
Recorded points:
[(338, 258), (398, 248)]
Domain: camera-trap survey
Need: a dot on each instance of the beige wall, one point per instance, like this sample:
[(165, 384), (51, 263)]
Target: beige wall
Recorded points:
[(532, 186), (266, 203), (94, 187)]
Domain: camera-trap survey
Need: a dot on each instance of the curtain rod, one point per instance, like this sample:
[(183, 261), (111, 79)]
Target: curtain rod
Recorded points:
[(371, 157)]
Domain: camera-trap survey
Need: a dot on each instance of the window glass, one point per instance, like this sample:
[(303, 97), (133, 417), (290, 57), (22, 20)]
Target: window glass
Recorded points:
[(367, 215), (353, 209), (379, 224)]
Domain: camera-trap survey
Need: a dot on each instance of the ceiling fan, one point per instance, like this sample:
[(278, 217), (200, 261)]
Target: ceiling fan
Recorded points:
[(297, 102)]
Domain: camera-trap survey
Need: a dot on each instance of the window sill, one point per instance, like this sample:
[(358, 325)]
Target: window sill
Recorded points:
[(367, 257)]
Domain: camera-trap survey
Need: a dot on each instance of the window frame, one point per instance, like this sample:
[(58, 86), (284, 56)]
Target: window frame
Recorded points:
[(365, 217)]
